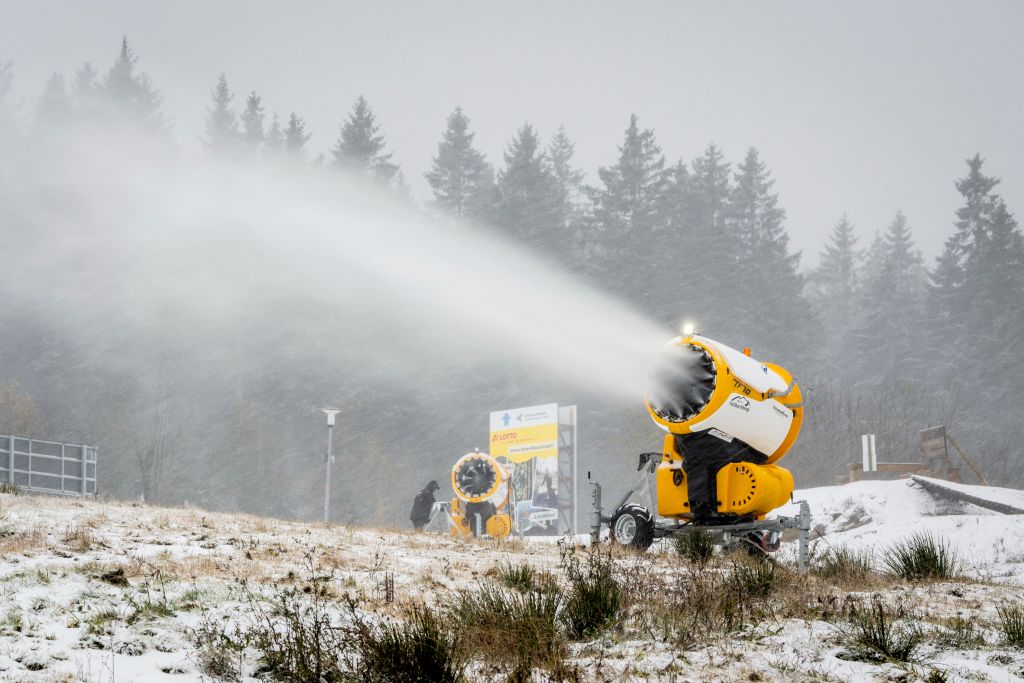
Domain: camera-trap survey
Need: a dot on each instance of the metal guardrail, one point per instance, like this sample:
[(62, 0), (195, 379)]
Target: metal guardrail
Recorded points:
[(48, 466), (937, 489)]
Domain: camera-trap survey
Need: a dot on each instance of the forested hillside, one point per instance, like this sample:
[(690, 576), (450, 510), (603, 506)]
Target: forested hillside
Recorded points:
[(224, 412)]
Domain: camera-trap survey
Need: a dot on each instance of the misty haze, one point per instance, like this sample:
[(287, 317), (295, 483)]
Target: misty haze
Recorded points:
[(445, 220)]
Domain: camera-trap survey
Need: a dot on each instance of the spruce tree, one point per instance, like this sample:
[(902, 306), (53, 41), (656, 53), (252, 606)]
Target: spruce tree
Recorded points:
[(131, 97), (704, 249), (769, 284), (53, 108), (567, 177), (252, 116), (221, 120), (85, 93), (834, 288), (528, 196), (295, 138), (627, 215), (956, 315), (360, 147), (997, 315), (460, 178), (887, 341), (275, 137)]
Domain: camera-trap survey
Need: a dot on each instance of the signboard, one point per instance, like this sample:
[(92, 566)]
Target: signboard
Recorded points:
[(526, 440), (521, 434)]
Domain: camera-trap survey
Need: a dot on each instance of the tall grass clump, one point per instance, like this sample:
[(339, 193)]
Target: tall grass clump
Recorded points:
[(960, 633), (922, 556), (1011, 623), (877, 635), (419, 648), (756, 577), (522, 577), (695, 545), (595, 596), (516, 632), (845, 564)]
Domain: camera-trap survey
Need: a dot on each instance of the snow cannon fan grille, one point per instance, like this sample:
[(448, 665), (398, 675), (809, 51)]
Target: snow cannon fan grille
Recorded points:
[(683, 382), (475, 477)]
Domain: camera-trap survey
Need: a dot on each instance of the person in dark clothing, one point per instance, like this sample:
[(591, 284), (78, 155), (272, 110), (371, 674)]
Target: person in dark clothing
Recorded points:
[(422, 505)]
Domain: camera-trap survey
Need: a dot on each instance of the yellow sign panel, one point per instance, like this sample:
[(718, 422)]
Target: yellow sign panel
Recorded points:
[(525, 433)]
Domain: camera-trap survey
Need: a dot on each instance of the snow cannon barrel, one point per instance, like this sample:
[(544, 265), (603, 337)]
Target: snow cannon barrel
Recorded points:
[(729, 419), (478, 477), (701, 384)]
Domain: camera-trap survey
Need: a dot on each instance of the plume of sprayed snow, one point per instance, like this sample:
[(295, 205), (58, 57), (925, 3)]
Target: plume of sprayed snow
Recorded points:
[(127, 237)]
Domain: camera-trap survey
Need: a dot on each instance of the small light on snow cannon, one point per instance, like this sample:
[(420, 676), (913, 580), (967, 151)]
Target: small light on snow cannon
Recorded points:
[(689, 328)]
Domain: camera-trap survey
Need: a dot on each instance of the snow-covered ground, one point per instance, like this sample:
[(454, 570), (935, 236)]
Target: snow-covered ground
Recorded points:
[(874, 514), (108, 591)]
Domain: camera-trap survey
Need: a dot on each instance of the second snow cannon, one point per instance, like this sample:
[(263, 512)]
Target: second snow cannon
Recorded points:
[(728, 420), (482, 497)]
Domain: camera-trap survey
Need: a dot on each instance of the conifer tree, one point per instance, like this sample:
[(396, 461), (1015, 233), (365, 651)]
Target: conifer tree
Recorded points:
[(627, 215), (996, 315), (85, 93), (295, 138), (568, 178), (768, 281), (528, 196), (221, 120), (53, 108), (959, 281), (275, 137), (701, 248), (887, 341), (131, 96), (834, 286), (360, 147), (460, 178), (710, 192), (253, 135)]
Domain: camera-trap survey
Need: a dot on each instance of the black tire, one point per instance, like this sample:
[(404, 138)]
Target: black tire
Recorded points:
[(633, 526)]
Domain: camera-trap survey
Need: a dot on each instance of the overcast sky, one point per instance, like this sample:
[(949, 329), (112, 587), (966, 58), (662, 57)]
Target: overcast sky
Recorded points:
[(862, 107)]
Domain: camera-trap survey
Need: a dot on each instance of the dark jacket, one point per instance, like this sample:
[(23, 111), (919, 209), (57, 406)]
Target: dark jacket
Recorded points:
[(421, 507)]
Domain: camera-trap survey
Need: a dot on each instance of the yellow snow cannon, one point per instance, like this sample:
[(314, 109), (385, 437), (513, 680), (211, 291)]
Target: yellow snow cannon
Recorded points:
[(482, 497), (729, 419)]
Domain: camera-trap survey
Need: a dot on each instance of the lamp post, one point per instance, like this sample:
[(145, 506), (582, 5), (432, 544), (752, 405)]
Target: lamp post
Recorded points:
[(331, 412)]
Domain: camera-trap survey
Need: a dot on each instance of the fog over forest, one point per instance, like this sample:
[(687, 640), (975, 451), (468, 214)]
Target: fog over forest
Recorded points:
[(188, 303)]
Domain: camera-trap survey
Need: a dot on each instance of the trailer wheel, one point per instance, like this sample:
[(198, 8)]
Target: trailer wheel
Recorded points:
[(632, 525)]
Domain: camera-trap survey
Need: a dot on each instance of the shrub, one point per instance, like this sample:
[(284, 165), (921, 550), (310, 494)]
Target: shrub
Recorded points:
[(522, 577), (845, 564), (9, 488), (518, 630), (878, 635), (1011, 622), (695, 545), (295, 638), (595, 597), (420, 648), (217, 652), (922, 556)]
